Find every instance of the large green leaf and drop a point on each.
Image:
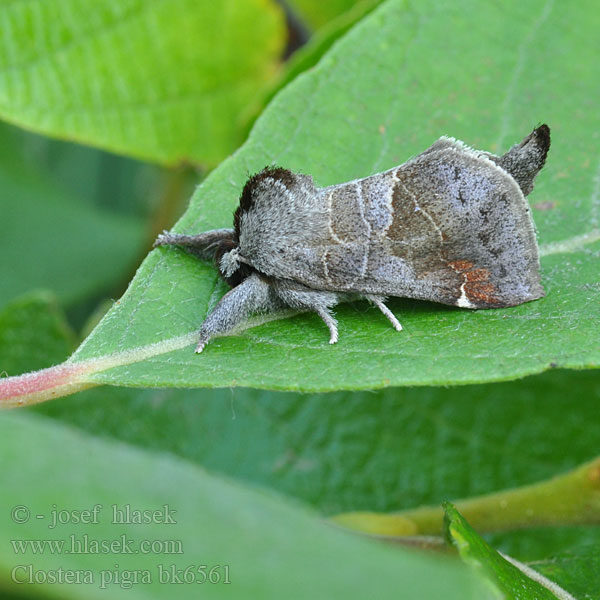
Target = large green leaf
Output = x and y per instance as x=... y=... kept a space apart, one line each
x=271 y=548
x=410 y=446
x=164 y=81
x=384 y=451
x=402 y=77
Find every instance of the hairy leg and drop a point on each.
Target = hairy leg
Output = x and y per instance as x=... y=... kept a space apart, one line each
x=378 y=301
x=301 y=297
x=251 y=296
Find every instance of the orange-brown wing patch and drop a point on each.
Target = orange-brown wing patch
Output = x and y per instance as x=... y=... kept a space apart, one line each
x=477 y=287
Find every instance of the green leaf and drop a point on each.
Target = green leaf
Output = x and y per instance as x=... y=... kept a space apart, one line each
x=576 y=570
x=51 y=240
x=385 y=91
x=412 y=446
x=512 y=581
x=33 y=334
x=271 y=547
x=537 y=544
x=385 y=451
x=163 y=81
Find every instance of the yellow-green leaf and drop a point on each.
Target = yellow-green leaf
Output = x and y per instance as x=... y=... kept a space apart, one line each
x=164 y=81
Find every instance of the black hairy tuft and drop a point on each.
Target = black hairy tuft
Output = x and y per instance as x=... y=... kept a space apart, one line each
x=247 y=198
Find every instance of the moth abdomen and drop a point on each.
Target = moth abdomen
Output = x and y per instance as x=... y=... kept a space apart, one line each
x=525 y=160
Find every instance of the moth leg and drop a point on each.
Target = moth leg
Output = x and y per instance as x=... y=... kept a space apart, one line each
x=203 y=244
x=330 y=322
x=297 y=296
x=251 y=296
x=378 y=301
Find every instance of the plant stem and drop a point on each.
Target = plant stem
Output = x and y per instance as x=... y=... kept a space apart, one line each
x=572 y=498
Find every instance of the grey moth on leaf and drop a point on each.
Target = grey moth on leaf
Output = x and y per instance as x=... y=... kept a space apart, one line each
x=451 y=225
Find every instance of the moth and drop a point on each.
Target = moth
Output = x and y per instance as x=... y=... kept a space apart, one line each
x=451 y=225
